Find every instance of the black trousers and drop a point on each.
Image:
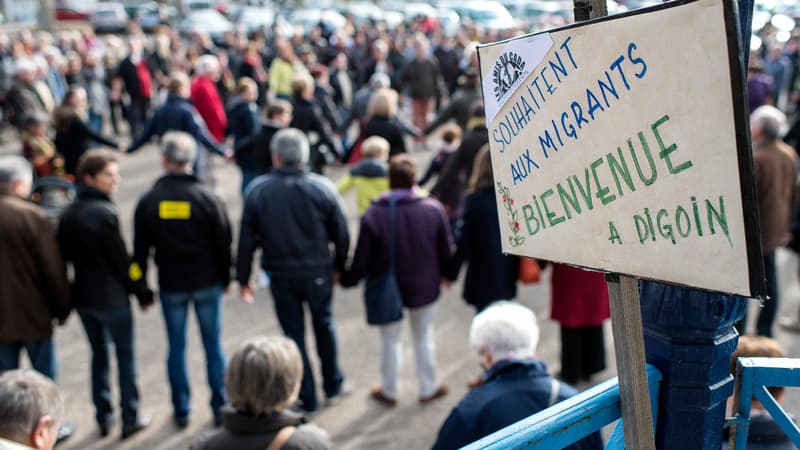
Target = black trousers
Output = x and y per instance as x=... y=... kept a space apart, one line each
x=583 y=353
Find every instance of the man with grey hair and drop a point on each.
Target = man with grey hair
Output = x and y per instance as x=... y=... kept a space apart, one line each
x=775 y=165
x=30 y=411
x=188 y=228
x=515 y=383
x=294 y=216
x=33 y=283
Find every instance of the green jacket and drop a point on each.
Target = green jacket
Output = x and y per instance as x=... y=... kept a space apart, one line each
x=370 y=178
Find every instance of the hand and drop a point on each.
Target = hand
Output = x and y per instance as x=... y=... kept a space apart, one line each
x=145 y=306
x=246 y=294
x=446 y=283
x=228 y=154
x=336 y=277
x=122 y=148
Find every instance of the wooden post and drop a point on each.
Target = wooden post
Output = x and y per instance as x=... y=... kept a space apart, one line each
x=626 y=323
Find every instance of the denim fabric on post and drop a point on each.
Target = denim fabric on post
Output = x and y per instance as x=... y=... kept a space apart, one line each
x=102 y=328
x=207 y=307
x=41 y=352
x=289 y=296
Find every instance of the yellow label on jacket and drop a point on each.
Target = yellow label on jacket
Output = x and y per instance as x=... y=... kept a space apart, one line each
x=135 y=272
x=169 y=210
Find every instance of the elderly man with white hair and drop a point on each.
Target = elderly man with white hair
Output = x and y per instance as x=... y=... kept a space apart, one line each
x=775 y=165
x=23 y=99
x=205 y=96
x=515 y=383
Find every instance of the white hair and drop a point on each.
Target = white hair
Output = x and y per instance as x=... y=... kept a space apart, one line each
x=206 y=64
x=506 y=330
x=770 y=120
x=14 y=168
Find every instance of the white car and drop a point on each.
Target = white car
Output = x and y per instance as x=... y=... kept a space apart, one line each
x=109 y=17
x=485 y=14
x=207 y=21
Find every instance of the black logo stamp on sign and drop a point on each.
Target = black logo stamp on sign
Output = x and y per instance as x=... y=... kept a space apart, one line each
x=507 y=70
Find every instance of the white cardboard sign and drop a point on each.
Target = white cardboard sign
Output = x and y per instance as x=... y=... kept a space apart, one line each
x=621 y=145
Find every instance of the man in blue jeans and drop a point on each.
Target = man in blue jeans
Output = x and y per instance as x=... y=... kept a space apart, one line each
x=189 y=229
x=294 y=216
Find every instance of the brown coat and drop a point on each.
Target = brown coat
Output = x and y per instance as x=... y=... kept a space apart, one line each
x=33 y=283
x=775 y=166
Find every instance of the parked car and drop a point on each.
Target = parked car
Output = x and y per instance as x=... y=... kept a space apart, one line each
x=151 y=15
x=208 y=21
x=109 y=17
x=252 y=18
x=309 y=18
x=485 y=14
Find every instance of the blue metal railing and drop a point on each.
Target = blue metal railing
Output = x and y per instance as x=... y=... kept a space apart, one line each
x=753 y=376
x=571 y=420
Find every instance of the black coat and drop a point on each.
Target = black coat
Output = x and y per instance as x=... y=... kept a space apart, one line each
x=253 y=152
x=189 y=229
x=89 y=238
x=74 y=138
x=307 y=117
x=459 y=166
x=294 y=217
x=491 y=275
x=130 y=77
x=389 y=129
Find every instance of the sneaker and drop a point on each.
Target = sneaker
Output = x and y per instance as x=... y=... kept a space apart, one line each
x=344 y=390
x=377 y=394
x=141 y=423
x=440 y=392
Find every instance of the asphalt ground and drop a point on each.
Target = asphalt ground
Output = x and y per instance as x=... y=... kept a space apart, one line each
x=356 y=422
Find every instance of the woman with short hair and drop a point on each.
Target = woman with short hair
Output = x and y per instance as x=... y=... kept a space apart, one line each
x=422 y=250
x=263 y=381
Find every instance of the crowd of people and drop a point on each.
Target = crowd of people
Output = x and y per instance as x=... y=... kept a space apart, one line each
x=282 y=108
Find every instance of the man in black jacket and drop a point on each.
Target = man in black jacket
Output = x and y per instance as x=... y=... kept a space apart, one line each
x=294 y=216
x=189 y=229
x=89 y=238
x=308 y=118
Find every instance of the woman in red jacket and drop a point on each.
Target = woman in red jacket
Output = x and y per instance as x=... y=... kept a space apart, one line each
x=206 y=98
x=580 y=305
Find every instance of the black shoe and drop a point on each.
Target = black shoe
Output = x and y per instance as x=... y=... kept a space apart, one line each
x=105 y=427
x=181 y=421
x=141 y=423
x=218 y=421
x=66 y=430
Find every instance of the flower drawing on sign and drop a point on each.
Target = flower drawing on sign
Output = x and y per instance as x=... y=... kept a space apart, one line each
x=515 y=238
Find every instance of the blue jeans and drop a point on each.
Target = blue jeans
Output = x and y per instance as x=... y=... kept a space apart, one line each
x=102 y=328
x=248 y=175
x=289 y=296
x=208 y=309
x=41 y=352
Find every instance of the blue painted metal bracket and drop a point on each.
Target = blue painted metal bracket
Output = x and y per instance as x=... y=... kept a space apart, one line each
x=753 y=376
x=569 y=421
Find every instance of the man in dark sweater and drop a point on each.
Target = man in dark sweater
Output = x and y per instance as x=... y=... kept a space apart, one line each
x=515 y=384
x=189 y=229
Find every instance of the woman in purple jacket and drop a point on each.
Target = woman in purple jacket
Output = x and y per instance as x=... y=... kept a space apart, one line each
x=423 y=250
